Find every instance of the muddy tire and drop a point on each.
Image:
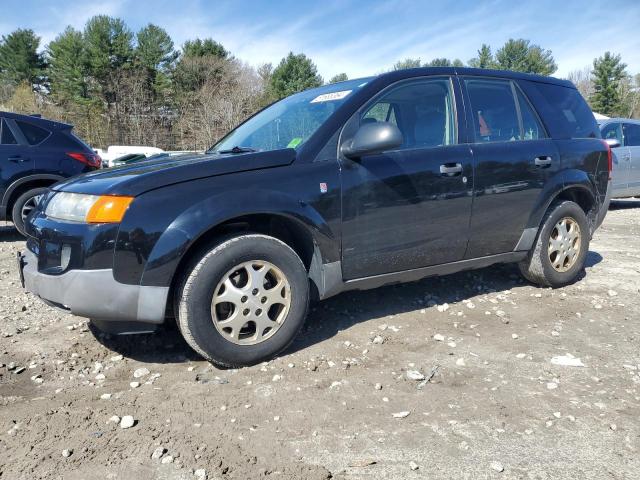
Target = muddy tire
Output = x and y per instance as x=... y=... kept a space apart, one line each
x=243 y=301
x=24 y=205
x=561 y=247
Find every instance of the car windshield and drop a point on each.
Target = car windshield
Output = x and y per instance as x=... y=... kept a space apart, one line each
x=290 y=122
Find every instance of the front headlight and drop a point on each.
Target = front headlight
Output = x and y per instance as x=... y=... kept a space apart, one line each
x=79 y=207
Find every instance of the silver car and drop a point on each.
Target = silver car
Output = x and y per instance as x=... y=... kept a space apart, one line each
x=623 y=135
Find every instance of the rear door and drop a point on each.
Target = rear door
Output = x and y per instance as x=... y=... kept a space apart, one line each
x=15 y=160
x=631 y=133
x=621 y=164
x=44 y=157
x=410 y=207
x=513 y=157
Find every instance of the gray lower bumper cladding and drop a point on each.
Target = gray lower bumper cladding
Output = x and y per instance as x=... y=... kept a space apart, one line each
x=96 y=294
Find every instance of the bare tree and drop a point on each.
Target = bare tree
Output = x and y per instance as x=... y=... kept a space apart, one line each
x=582 y=80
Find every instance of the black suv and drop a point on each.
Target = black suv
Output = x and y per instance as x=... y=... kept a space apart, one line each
x=348 y=186
x=34 y=154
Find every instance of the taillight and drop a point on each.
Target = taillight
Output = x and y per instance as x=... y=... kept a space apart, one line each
x=90 y=159
x=609 y=158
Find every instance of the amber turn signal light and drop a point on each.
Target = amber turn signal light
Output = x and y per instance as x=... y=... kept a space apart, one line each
x=108 y=209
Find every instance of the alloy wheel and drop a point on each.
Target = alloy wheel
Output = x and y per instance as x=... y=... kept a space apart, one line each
x=564 y=244
x=28 y=206
x=251 y=302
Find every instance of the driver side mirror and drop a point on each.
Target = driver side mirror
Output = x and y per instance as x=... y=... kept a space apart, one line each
x=372 y=138
x=612 y=142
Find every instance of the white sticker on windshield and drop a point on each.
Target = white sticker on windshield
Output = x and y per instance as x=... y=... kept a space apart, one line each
x=327 y=97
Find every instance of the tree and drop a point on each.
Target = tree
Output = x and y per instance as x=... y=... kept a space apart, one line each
x=67 y=67
x=155 y=48
x=582 y=80
x=484 y=59
x=109 y=44
x=520 y=56
x=203 y=48
x=340 y=77
x=607 y=74
x=294 y=74
x=200 y=62
x=19 y=57
x=407 y=63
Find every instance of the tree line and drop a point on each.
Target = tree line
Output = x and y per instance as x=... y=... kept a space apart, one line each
x=123 y=87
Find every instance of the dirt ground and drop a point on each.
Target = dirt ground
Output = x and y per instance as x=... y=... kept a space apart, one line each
x=347 y=401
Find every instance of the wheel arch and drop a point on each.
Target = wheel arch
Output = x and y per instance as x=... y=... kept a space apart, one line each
x=24 y=184
x=573 y=185
x=287 y=229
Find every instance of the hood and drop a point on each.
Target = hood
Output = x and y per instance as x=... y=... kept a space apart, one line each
x=145 y=175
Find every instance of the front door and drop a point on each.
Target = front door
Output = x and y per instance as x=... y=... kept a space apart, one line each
x=620 y=172
x=410 y=207
x=513 y=158
x=15 y=161
x=631 y=133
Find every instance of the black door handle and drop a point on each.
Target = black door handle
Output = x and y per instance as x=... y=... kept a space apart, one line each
x=451 y=169
x=17 y=159
x=543 y=161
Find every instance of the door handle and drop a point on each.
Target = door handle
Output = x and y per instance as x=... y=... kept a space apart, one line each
x=543 y=161
x=451 y=169
x=17 y=159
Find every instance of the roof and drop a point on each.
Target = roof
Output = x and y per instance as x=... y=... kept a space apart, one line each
x=412 y=72
x=34 y=119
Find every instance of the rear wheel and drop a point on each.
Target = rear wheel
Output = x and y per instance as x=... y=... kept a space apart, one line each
x=561 y=247
x=24 y=205
x=243 y=301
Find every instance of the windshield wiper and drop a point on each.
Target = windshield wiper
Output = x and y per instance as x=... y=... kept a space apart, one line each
x=238 y=149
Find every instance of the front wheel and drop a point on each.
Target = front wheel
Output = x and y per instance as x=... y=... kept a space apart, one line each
x=24 y=205
x=561 y=247
x=243 y=301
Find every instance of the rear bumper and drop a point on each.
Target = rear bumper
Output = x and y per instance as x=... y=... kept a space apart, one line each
x=95 y=294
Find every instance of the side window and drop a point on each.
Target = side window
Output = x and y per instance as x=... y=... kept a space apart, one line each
x=33 y=134
x=613 y=130
x=570 y=110
x=531 y=126
x=6 y=136
x=423 y=110
x=495 y=115
x=631 y=134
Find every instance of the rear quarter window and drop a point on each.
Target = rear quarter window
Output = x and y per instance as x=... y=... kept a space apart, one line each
x=34 y=134
x=570 y=111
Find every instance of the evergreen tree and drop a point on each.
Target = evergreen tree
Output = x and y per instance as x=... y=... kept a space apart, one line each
x=109 y=46
x=294 y=74
x=484 y=59
x=203 y=48
x=67 y=67
x=19 y=58
x=607 y=74
x=341 y=77
x=520 y=56
x=155 y=48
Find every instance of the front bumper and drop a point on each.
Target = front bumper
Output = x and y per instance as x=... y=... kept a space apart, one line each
x=95 y=294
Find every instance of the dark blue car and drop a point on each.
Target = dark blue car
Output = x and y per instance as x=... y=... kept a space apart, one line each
x=35 y=153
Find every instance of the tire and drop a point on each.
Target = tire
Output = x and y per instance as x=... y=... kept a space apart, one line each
x=538 y=267
x=202 y=323
x=22 y=204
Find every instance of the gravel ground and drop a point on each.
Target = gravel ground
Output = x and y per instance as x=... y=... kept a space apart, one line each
x=456 y=377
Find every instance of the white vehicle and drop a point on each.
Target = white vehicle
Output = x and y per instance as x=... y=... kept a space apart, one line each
x=116 y=151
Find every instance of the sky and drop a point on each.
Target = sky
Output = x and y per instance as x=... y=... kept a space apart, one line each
x=363 y=37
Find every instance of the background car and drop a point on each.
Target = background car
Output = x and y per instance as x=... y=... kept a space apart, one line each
x=35 y=153
x=626 y=155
